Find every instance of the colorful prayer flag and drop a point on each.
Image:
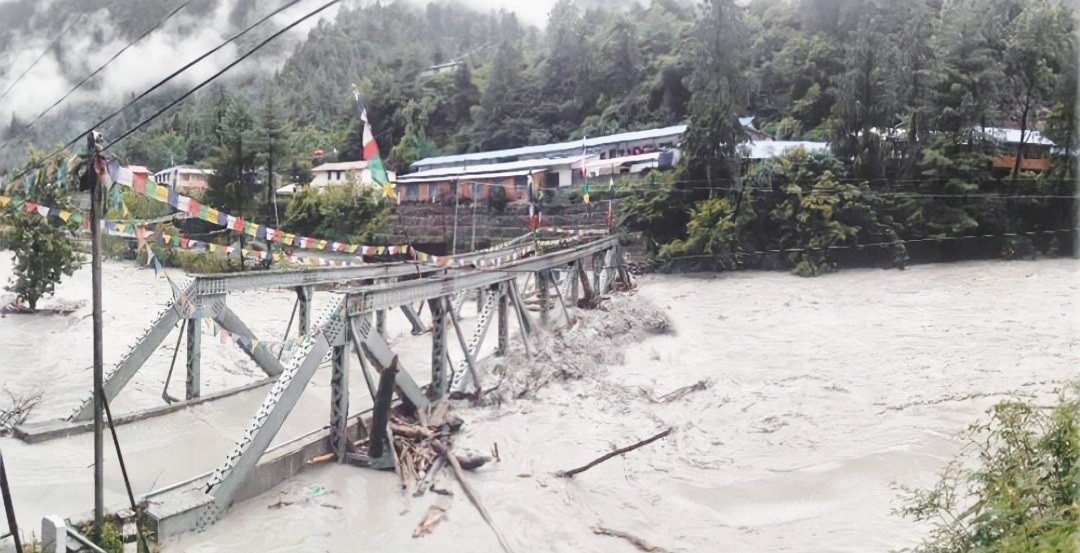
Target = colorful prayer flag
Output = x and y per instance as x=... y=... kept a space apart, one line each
x=371 y=150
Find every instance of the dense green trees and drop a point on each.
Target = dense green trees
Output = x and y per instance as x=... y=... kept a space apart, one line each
x=900 y=90
x=808 y=69
x=44 y=246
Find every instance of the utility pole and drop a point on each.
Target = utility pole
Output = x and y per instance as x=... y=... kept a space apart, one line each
x=93 y=143
x=9 y=507
x=475 y=190
x=457 y=197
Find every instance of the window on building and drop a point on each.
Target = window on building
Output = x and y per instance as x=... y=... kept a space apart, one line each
x=412 y=193
x=433 y=192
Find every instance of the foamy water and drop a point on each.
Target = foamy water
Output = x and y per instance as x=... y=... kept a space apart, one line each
x=822 y=394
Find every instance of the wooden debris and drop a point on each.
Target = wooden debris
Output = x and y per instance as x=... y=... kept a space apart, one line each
x=634 y=540
x=682 y=392
x=460 y=475
x=429 y=476
x=431 y=519
x=411 y=431
x=570 y=473
x=280 y=504
x=381 y=411
x=320 y=459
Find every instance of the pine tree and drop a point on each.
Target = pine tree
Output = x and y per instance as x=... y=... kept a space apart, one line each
x=720 y=92
x=271 y=138
x=502 y=106
x=567 y=89
x=232 y=160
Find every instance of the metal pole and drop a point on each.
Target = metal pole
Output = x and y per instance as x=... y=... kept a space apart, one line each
x=9 y=508
x=288 y=328
x=127 y=481
x=457 y=197
x=472 y=247
x=99 y=363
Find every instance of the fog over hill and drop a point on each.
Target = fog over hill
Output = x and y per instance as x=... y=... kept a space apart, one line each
x=77 y=37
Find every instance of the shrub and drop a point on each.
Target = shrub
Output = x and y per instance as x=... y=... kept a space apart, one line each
x=712 y=240
x=830 y=215
x=1022 y=494
x=656 y=209
x=337 y=213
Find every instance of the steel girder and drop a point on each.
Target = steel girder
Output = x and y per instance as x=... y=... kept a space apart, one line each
x=184 y=307
x=328 y=332
x=367 y=299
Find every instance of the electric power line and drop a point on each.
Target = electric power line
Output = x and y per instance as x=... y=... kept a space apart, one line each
x=55 y=41
x=184 y=96
x=902 y=194
x=75 y=140
x=95 y=72
x=173 y=75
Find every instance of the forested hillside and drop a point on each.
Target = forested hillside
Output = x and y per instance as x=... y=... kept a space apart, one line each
x=815 y=69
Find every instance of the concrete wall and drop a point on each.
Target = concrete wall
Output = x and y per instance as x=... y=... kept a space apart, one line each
x=434 y=223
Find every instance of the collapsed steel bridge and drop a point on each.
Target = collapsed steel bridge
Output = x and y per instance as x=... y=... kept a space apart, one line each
x=351 y=326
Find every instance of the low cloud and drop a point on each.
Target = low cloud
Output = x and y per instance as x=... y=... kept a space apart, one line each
x=194 y=30
x=96 y=39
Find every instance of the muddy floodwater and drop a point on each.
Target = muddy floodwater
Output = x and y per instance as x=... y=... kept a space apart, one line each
x=820 y=396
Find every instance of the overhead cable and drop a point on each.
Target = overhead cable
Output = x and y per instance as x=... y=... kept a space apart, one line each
x=97 y=71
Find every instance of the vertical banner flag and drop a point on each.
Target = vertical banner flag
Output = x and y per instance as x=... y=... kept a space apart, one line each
x=534 y=196
x=371 y=151
x=534 y=218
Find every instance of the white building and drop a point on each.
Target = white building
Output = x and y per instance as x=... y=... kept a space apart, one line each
x=337 y=174
x=559 y=171
x=184 y=178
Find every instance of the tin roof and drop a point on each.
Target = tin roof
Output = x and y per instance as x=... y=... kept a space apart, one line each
x=666 y=132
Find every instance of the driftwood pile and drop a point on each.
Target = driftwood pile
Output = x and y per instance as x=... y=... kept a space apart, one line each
x=416 y=446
